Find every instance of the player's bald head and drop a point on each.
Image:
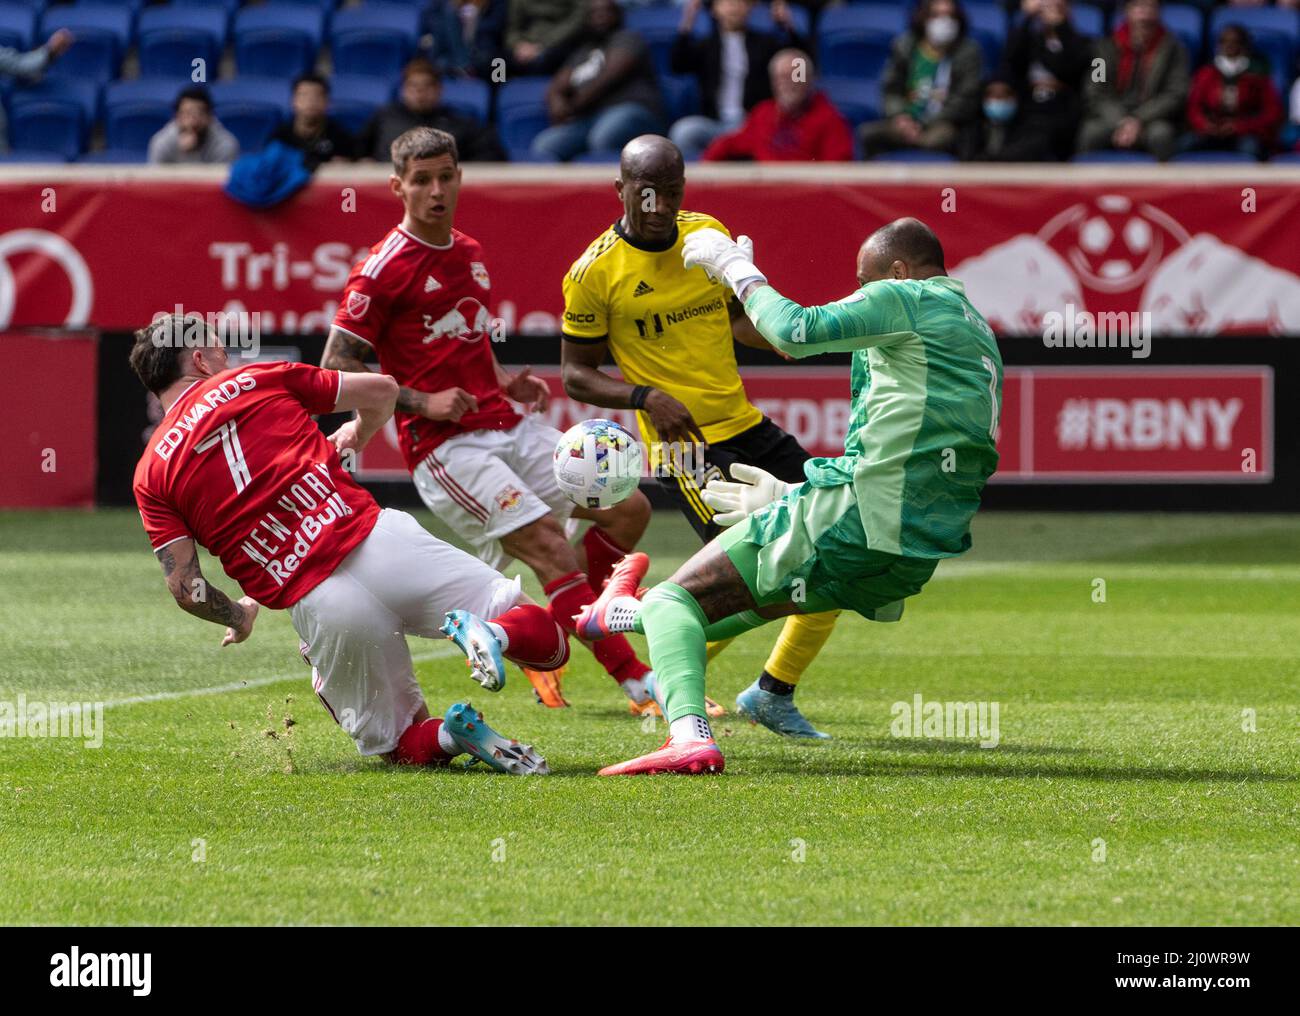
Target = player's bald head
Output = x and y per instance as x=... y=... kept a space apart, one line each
x=903 y=249
x=651 y=157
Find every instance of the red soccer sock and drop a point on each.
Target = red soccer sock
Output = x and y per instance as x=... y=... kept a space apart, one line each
x=568 y=595
x=533 y=637
x=602 y=554
x=418 y=746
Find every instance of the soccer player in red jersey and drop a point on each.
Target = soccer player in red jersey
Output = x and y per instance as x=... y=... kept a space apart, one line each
x=420 y=302
x=238 y=466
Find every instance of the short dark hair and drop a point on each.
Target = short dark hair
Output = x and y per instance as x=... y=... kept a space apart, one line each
x=422 y=143
x=158 y=348
x=921 y=14
x=310 y=79
x=419 y=65
x=198 y=93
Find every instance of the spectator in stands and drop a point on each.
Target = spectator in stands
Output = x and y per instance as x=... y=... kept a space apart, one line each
x=931 y=84
x=606 y=92
x=1291 y=137
x=465 y=35
x=420 y=106
x=1045 y=61
x=30 y=65
x=1005 y=134
x=1136 y=104
x=730 y=65
x=1234 y=105
x=193 y=135
x=540 y=33
x=798 y=124
x=319 y=137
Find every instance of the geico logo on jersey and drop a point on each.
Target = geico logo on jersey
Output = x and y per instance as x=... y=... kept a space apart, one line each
x=579 y=319
x=467 y=321
x=75 y=969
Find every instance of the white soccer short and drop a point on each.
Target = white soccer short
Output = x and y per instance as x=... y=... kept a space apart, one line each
x=487 y=483
x=401 y=580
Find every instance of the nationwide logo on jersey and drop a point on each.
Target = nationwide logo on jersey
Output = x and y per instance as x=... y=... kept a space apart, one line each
x=467 y=321
x=479 y=273
x=358 y=304
x=509 y=499
x=642 y=288
x=430 y=284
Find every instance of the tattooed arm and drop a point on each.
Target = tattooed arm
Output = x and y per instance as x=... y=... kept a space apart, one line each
x=194 y=595
x=347 y=352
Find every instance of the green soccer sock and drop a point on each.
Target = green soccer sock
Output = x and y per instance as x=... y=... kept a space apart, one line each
x=736 y=624
x=674 y=625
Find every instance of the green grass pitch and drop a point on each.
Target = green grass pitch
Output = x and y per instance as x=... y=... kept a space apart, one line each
x=1147 y=771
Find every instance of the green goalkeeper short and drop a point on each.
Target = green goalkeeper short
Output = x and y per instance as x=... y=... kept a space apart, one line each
x=809 y=547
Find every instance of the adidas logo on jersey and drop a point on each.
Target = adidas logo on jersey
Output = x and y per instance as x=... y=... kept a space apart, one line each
x=642 y=289
x=430 y=284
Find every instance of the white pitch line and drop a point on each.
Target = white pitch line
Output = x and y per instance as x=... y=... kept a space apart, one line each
x=257 y=682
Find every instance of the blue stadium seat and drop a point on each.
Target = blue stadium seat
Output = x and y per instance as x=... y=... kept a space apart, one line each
x=914 y=155
x=31 y=156
x=987 y=24
x=467 y=96
x=102 y=33
x=48 y=125
x=375 y=38
x=606 y=158
x=35 y=5
x=857 y=98
x=761 y=20
x=131 y=119
x=83 y=93
x=1275 y=30
x=247 y=88
x=854 y=41
x=278 y=40
x=521 y=114
x=1213 y=157
x=658 y=26
x=169 y=39
x=1107 y=156
x=1088 y=20
x=353 y=99
x=1188 y=23
x=251 y=122
x=681 y=94
x=116 y=156
x=17 y=26
x=1287 y=158
x=229 y=6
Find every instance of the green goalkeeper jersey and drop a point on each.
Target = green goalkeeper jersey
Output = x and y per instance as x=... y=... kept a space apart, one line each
x=926 y=387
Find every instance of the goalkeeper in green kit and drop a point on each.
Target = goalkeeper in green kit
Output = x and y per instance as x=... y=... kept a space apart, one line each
x=867 y=529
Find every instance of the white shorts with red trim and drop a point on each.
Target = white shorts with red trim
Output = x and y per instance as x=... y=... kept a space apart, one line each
x=401 y=580
x=488 y=483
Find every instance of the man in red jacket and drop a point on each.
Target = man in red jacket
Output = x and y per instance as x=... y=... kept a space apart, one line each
x=1234 y=105
x=798 y=124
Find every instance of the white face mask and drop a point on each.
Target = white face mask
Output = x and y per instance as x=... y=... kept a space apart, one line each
x=942 y=30
x=1231 y=66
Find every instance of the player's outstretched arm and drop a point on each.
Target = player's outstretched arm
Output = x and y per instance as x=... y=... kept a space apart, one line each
x=874 y=315
x=347 y=352
x=373 y=396
x=194 y=595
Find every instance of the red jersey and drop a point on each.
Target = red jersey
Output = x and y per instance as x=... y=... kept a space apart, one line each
x=424 y=311
x=238 y=465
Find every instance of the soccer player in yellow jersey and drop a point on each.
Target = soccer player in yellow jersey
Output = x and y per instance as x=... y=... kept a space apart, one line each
x=670 y=331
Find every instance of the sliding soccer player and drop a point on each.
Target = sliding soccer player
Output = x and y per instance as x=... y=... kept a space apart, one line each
x=238 y=466
x=864 y=531
x=670 y=332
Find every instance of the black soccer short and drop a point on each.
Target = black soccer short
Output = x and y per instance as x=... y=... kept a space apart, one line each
x=764 y=445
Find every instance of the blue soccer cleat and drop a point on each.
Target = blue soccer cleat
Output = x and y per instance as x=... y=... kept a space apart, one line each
x=504 y=754
x=777 y=713
x=482 y=650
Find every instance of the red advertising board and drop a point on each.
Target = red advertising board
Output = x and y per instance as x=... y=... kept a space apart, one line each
x=49 y=395
x=1057 y=425
x=1196 y=254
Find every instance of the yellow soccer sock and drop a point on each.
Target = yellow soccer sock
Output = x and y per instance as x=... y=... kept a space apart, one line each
x=714 y=648
x=802 y=638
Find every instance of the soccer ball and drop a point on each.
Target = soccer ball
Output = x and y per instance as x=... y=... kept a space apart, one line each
x=597 y=464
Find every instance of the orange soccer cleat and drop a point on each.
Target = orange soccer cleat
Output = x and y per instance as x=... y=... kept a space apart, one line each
x=688 y=757
x=546 y=686
x=651 y=707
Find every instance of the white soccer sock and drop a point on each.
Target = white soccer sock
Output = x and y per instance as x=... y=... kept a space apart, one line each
x=638 y=688
x=499 y=633
x=446 y=742
x=621 y=613
x=691 y=728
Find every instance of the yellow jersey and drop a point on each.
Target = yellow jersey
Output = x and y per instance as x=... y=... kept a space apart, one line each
x=667 y=326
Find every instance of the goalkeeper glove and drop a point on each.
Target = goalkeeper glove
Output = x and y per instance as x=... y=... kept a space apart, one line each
x=731 y=502
x=732 y=261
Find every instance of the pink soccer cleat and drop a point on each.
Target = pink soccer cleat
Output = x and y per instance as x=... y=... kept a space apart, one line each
x=688 y=757
x=617 y=602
